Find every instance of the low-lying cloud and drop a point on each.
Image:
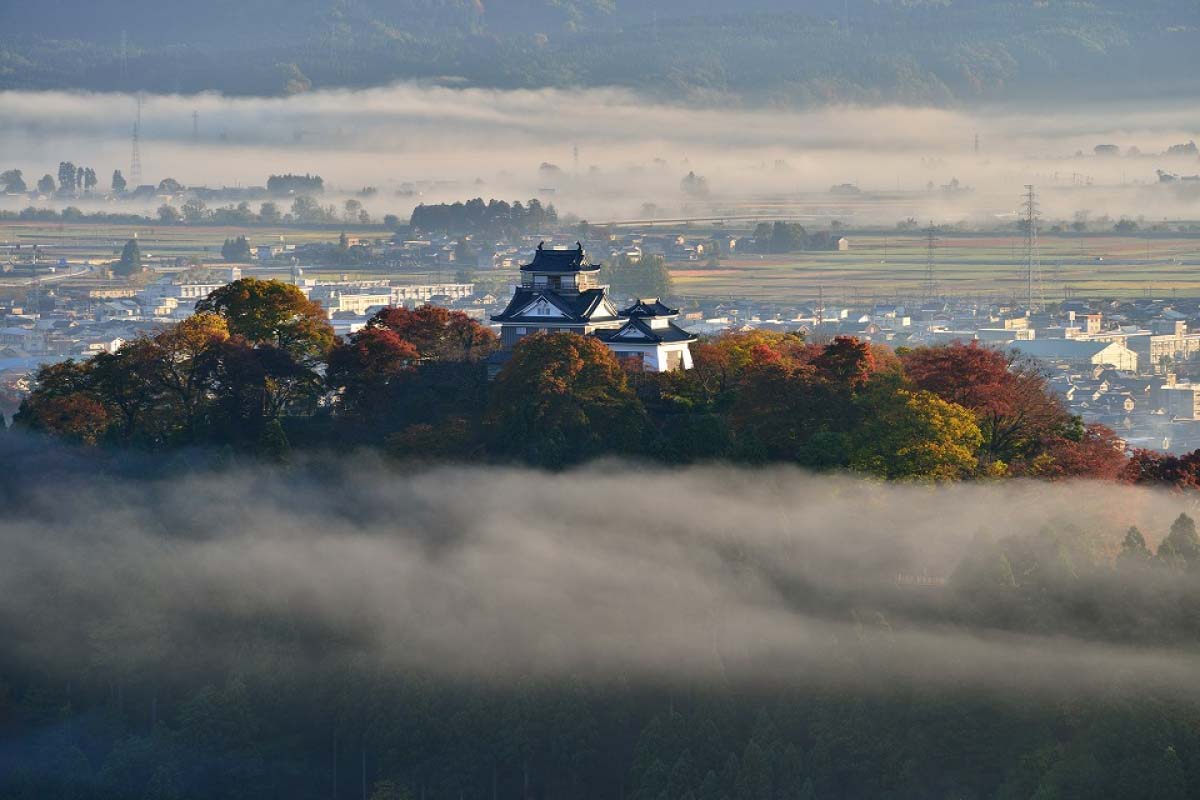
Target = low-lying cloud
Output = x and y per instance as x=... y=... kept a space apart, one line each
x=631 y=150
x=766 y=576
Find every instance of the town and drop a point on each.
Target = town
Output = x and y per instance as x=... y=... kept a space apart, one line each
x=1125 y=362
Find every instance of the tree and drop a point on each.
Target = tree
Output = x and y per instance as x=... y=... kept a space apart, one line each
x=915 y=436
x=236 y=250
x=365 y=366
x=194 y=210
x=169 y=186
x=67 y=177
x=11 y=182
x=647 y=277
x=1016 y=413
x=275 y=313
x=45 y=184
x=1134 y=552
x=130 y=262
x=562 y=399
x=168 y=214
x=1181 y=547
x=437 y=334
x=352 y=209
x=118 y=182
x=64 y=404
x=268 y=213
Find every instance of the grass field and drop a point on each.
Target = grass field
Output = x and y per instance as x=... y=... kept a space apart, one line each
x=896 y=266
x=875 y=266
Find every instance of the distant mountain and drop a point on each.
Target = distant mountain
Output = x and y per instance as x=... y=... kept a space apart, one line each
x=928 y=51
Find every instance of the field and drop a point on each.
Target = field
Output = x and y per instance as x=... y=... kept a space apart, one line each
x=878 y=266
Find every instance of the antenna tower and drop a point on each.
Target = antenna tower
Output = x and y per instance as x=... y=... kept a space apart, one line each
x=135 y=151
x=1033 y=272
x=930 y=261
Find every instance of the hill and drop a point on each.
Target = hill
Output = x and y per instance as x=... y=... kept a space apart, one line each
x=947 y=52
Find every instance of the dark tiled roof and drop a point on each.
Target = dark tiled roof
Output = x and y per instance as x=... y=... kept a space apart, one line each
x=637 y=332
x=546 y=260
x=587 y=306
x=649 y=308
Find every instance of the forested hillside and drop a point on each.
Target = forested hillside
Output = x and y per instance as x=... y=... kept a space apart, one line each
x=812 y=52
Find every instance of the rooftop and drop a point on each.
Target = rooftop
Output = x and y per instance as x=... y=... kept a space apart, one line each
x=559 y=260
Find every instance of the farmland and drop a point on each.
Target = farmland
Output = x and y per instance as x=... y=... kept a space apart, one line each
x=877 y=265
x=964 y=266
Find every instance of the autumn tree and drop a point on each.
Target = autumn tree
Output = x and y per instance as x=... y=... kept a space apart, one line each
x=915 y=436
x=63 y=404
x=562 y=399
x=366 y=366
x=272 y=313
x=438 y=334
x=1009 y=398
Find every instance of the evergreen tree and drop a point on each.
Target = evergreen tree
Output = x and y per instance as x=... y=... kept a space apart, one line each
x=130 y=262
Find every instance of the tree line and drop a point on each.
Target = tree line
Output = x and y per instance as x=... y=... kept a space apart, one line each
x=475 y=216
x=257 y=367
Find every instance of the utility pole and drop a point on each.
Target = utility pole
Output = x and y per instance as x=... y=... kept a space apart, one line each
x=195 y=126
x=930 y=262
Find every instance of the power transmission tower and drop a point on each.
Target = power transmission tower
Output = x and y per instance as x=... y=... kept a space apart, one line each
x=135 y=152
x=930 y=262
x=1032 y=258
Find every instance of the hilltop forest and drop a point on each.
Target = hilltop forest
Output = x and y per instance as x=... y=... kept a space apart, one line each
x=916 y=51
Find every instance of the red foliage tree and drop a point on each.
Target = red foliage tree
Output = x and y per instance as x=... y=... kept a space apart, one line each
x=1017 y=414
x=1098 y=454
x=365 y=365
x=438 y=334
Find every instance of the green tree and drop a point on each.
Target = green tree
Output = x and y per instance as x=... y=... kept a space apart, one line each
x=1134 y=552
x=1181 y=547
x=130 y=262
x=169 y=214
x=236 y=250
x=68 y=180
x=169 y=186
x=118 y=182
x=269 y=214
x=45 y=184
x=12 y=182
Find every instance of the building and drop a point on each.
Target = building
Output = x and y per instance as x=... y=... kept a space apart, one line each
x=559 y=292
x=1081 y=354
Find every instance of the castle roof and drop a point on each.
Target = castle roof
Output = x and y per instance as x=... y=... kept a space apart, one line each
x=649 y=308
x=637 y=332
x=559 y=261
x=539 y=306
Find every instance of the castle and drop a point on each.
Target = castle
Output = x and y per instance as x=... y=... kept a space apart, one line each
x=559 y=292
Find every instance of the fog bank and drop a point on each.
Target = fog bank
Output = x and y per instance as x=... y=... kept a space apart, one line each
x=712 y=574
x=444 y=143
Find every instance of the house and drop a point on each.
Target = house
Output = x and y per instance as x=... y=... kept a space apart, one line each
x=559 y=292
